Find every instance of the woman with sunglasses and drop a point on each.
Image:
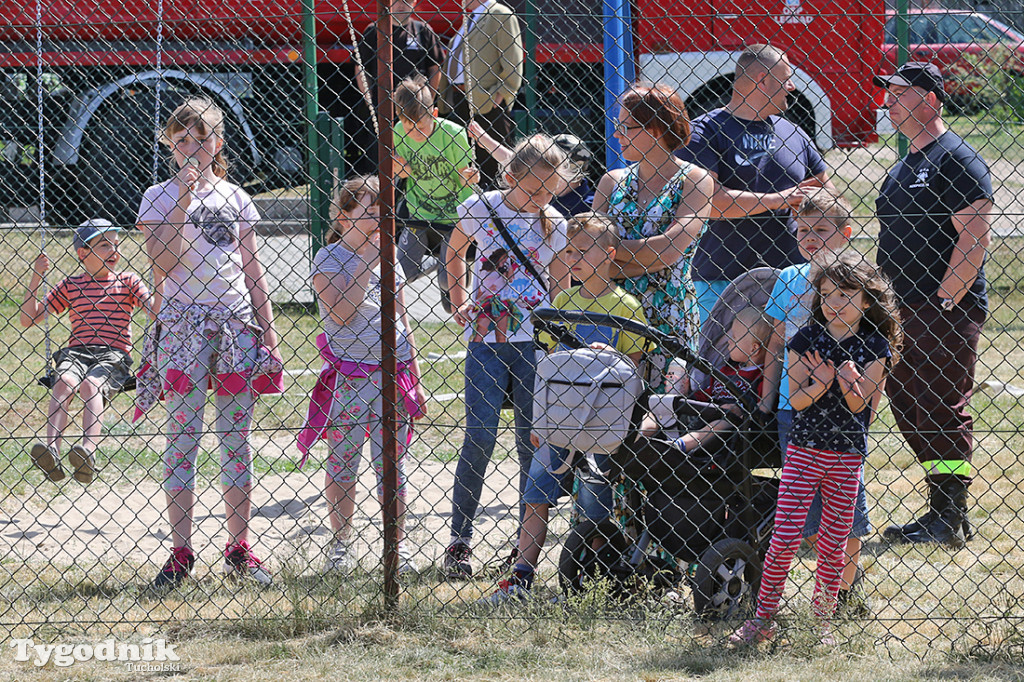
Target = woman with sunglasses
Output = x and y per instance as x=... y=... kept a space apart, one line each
x=661 y=204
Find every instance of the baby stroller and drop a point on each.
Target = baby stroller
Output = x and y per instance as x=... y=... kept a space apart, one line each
x=699 y=521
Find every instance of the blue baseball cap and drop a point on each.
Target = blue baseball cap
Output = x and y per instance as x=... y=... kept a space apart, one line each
x=91 y=229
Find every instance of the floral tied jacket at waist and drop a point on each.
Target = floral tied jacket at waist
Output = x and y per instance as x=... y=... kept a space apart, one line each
x=318 y=417
x=179 y=334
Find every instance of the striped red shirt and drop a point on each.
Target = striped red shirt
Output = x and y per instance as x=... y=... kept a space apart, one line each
x=101 y=310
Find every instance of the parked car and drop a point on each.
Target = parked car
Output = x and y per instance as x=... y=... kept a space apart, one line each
x=970 y=48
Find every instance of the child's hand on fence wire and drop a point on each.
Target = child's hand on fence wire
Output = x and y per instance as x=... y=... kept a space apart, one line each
x=41 y=265
x=401 y=167
x=822 y=370
x=850 y=378
x=475 y=131
x=534 y=439
x=470 y=175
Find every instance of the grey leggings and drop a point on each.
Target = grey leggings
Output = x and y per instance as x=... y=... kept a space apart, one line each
x=185 y=430
x=356 y=413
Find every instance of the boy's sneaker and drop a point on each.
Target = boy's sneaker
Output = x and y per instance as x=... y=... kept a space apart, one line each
x=456 y=560
x=44 y=458
x=83 y=462
x=754 y=631
x=340 y=558
x=511 y=590
x=177 y=568
x=242 y=564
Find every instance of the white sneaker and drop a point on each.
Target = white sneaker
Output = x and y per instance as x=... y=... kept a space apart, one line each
x=407 y=566
x=340 y=558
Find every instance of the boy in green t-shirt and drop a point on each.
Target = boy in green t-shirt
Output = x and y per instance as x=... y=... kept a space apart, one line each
x=593 y=240
x=435 y=157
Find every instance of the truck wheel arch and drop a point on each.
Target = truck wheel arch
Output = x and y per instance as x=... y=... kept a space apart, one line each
x=69 y=143
x=694 y=74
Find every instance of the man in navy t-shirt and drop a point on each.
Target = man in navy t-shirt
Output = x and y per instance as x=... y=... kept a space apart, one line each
x=934 y=209
x=759 y=160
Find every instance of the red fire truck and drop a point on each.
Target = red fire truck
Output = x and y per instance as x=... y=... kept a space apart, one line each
x=112 y=69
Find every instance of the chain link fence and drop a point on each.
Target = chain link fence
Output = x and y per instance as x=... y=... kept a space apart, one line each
x=259 y=279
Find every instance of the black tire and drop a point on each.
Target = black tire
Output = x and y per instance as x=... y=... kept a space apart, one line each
x=580 y=563
x=726 y=581
x=116 y=162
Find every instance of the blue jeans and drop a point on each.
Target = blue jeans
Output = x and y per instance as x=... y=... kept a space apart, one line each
x=708 y=294
x=861 y=523
x=488 y=368
x=594 y=497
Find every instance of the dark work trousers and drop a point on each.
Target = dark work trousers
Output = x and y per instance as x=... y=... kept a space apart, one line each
x=497 y=123
x=930 y=387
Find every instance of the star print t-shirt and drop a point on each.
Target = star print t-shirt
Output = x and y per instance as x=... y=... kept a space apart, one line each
x=210 y=268
x=520 y=289
x=753 y=156
x=828 y=423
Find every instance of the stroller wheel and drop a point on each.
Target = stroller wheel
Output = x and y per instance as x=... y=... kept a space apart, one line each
x=580 y=563
x=726 y=581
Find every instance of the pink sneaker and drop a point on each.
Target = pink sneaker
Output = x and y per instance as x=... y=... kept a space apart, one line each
x=240 y=562
x=754 y=631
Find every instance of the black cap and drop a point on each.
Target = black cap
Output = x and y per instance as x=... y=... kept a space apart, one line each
x=915 y=74
x=574 y=148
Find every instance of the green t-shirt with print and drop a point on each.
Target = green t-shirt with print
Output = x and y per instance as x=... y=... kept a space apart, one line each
x=434 y=187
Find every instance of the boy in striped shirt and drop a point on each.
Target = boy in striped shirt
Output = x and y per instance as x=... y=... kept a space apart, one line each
x=97 y=360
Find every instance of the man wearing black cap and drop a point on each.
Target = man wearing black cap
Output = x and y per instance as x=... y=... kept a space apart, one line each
x=934 y=209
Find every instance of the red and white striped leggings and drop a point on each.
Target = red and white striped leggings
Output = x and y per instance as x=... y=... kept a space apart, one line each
x=837 y=475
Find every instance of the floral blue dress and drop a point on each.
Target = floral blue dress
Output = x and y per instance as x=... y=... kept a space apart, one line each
x=668 y=296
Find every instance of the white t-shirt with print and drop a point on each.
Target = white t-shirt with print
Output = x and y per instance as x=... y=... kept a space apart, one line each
x=210 y=268
x=526 y=230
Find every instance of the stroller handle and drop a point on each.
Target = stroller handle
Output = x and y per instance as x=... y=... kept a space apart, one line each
x=552 y=321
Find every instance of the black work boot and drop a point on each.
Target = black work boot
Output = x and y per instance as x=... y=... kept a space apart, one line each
x=901 y=534
x=950 y=503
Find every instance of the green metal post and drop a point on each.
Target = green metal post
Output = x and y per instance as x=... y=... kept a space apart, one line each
x=902 y=55
x=322 y=186
x=337 y=151
x=526 y=120
x=318 y=225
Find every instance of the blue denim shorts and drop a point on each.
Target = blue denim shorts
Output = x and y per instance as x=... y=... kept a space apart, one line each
x=861 y=523
x=593 y=499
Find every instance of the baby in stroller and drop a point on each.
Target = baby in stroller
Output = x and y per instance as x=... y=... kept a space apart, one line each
x=746 y=344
